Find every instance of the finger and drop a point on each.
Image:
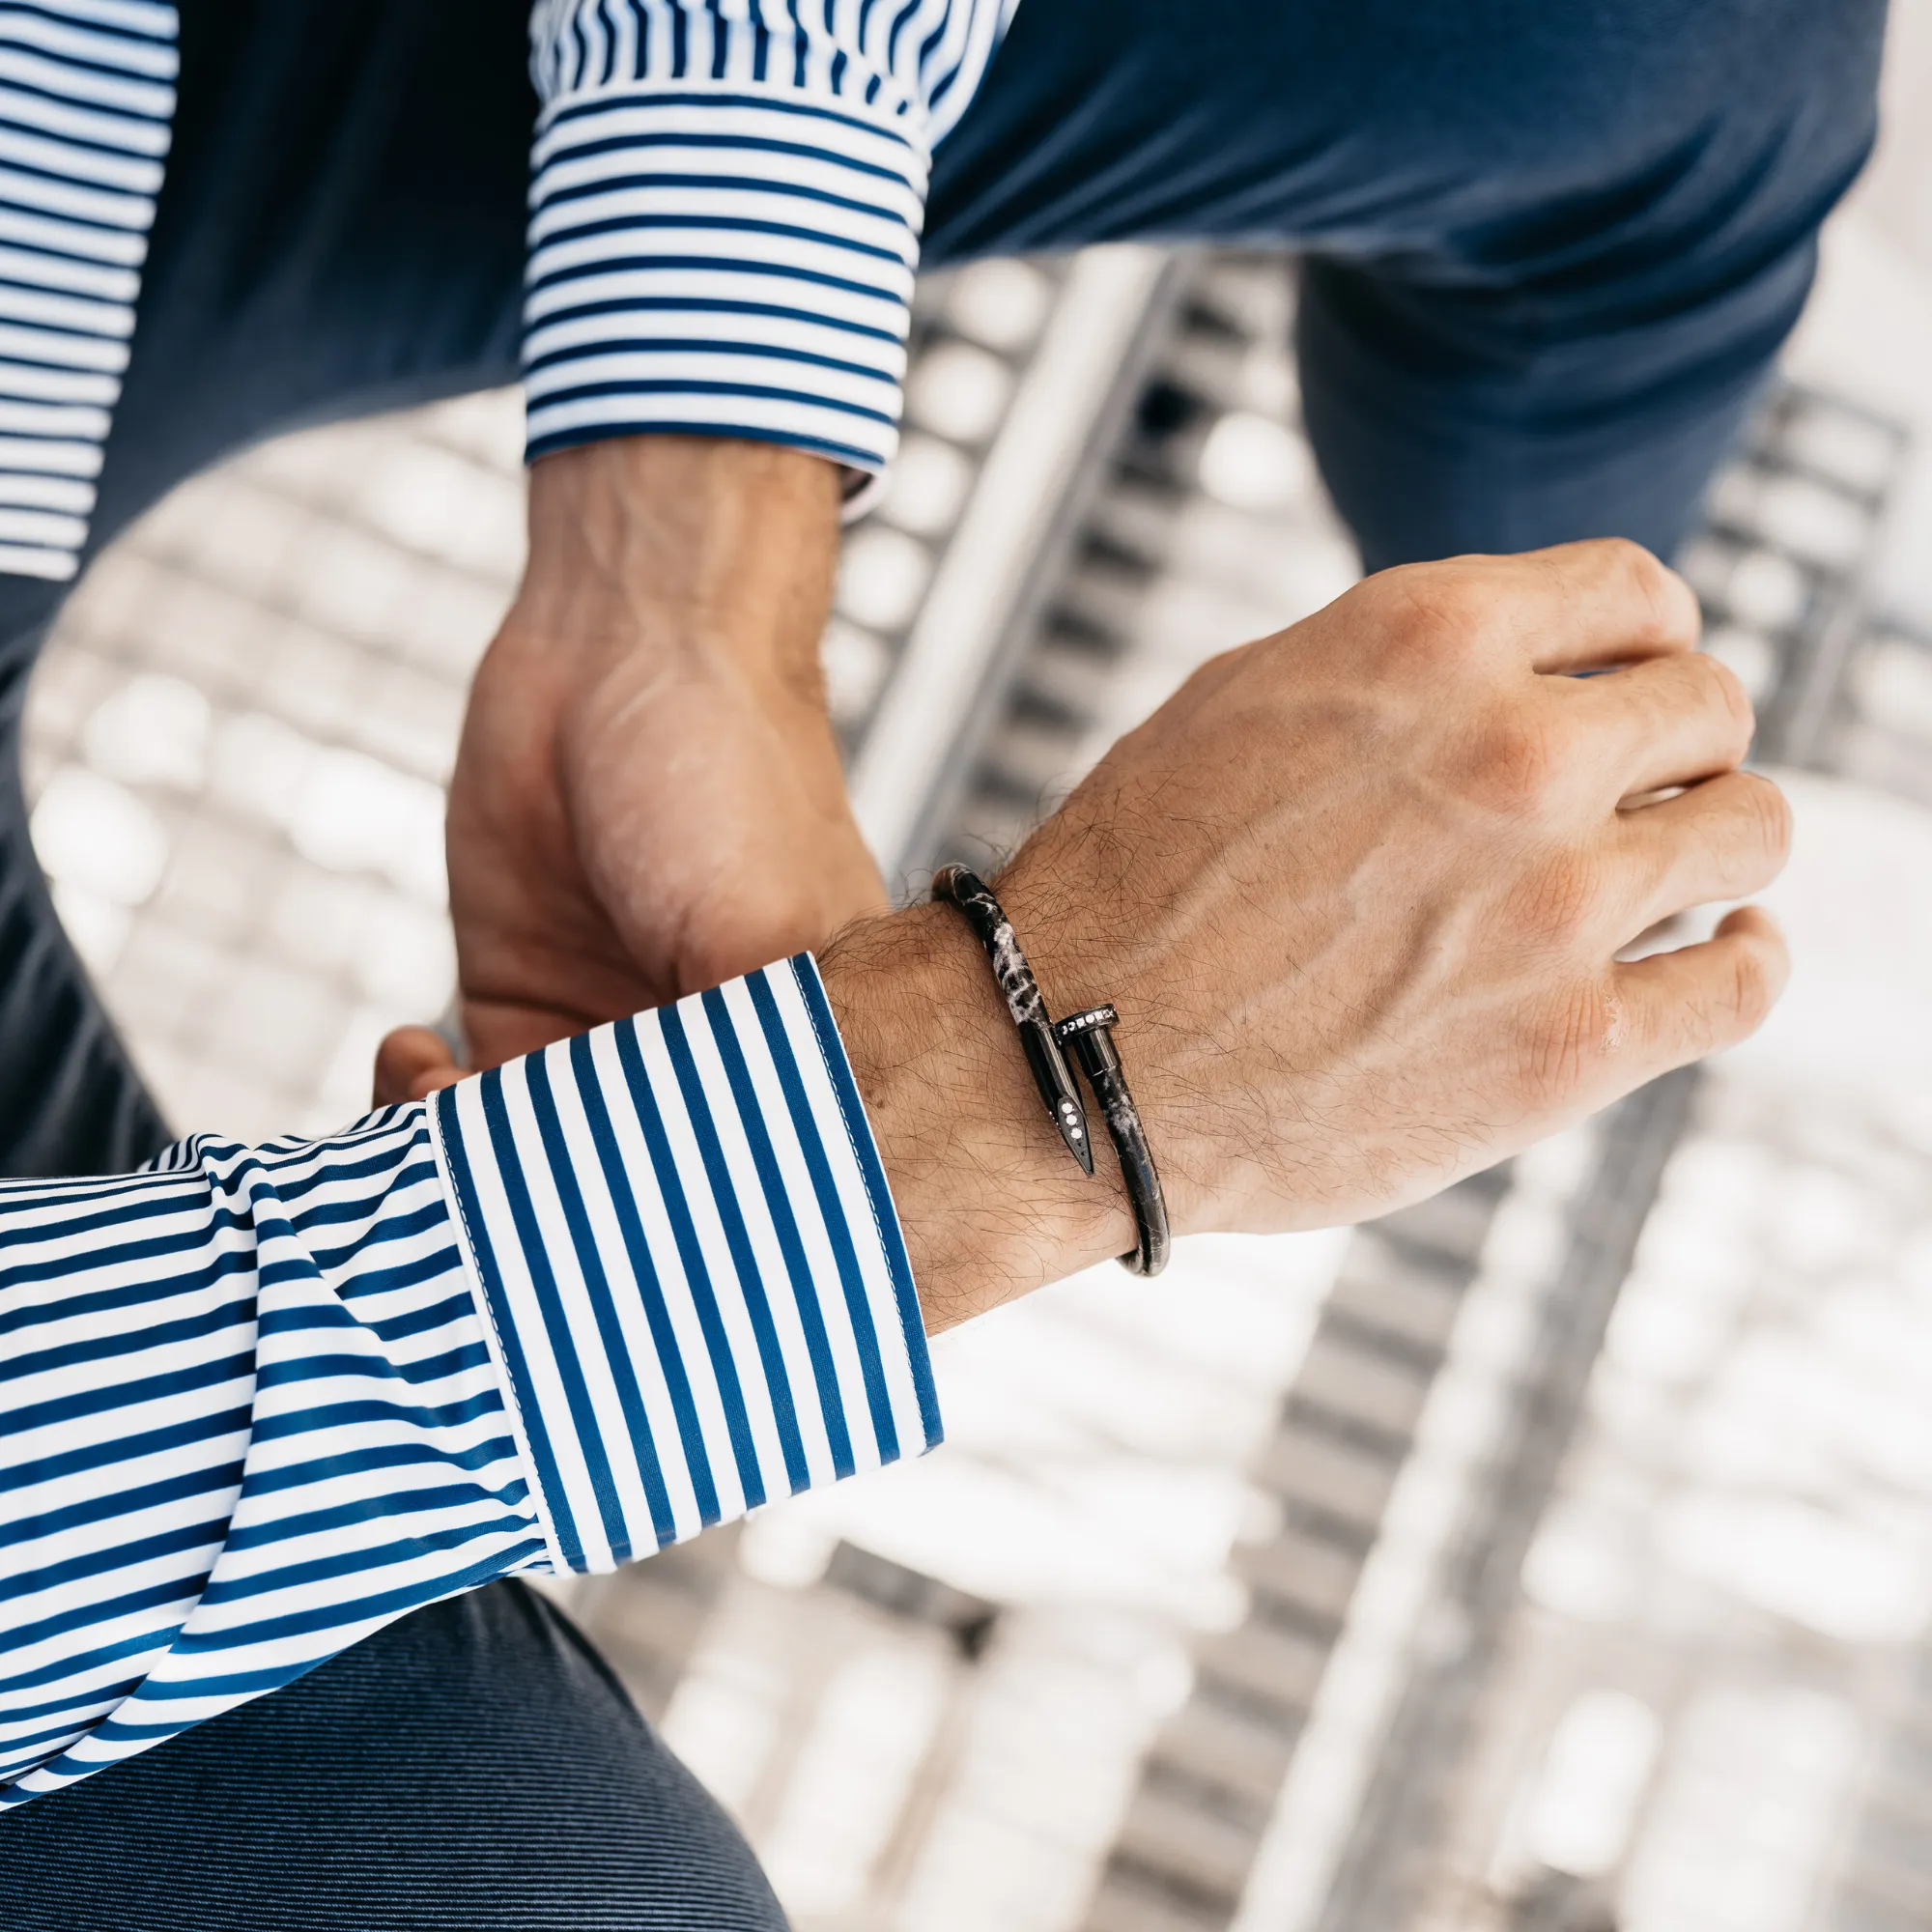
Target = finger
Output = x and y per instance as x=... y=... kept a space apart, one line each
x=1722 y=840
x=412 y=1064
x=1670 y=721
x=1586 y=606
x=1677 y=1007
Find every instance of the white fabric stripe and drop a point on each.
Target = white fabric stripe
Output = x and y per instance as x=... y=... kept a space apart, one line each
x=612 y=334
x=55 y=458
x=863 y=245
x=677 y=138
x=127 y=16
x=704 y=297
x=794 y=272
x=87 y=164
x=147 y=99
x=775 y=418
x=632 y=368
x=100 y=207
x=58 y=385
x=151 y=54
x=83 y=123
x=640 y=126
x=65 y=238
x=58 y=567
x=68 y=352
x=57 y=419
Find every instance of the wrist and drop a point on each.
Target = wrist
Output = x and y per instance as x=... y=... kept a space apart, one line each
x=991 y=1204
x=697 y=553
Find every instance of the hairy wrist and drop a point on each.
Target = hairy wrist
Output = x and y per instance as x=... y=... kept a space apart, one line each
x=990 y=1205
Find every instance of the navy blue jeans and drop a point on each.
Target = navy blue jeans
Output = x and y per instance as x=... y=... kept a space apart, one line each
x=1547 y=254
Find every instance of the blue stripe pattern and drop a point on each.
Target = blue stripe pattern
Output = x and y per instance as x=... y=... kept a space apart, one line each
x=726 y=210
x=259 y=1402
x=87 y=107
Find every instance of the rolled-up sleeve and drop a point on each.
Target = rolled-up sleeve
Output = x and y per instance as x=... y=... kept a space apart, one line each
x=726 y=211
x=259 y=1402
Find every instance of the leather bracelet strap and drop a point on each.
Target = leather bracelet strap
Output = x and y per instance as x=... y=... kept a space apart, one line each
x=1088 y=1039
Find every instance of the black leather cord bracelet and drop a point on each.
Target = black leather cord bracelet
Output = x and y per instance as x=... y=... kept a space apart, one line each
x=1088 y=1039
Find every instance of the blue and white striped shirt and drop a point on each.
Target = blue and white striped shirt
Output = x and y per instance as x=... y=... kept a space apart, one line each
x=256 y=1403
x=726 y=207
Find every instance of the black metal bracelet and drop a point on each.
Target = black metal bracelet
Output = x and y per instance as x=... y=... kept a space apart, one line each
x=1088 y=1037
x=970 y=893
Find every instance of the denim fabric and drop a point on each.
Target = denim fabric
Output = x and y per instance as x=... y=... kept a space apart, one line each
x=1550 y=249
x=474 y=1766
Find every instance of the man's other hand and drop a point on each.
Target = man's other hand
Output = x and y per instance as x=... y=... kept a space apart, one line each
x=1358 y=891
x=648 y=798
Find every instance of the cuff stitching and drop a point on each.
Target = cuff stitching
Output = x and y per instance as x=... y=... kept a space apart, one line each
x=493 y=1337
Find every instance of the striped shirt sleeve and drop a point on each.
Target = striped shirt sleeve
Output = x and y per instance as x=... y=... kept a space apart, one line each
x=87 y=104
x=726 y=207
x=257 y=1402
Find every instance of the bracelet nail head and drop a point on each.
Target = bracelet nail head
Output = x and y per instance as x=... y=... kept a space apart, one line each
x=1089 y=1041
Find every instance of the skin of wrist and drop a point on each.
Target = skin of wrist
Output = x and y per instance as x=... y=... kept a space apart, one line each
x=991 y=1204
x=696 y=549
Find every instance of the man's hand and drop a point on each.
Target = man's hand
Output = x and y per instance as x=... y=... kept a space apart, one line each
x=648 y=799
x=1357 y=891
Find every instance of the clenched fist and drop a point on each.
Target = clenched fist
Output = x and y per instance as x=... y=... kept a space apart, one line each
x=1358 y=891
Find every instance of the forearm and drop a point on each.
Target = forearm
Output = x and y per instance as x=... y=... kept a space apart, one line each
x=683 y=551
x=649 y=797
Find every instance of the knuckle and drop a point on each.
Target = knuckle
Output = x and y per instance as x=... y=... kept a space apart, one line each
x=1577 y=1037
x=1750 y=992
x=1771 y=814
x=1754 y=989
x=1436 y=614
x=1658 y=590
x=1515 y=760
x=1554 y=907
x=1726 y=694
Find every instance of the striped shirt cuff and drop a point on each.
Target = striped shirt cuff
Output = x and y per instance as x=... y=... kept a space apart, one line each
x=722 y=261
x=696 y=1289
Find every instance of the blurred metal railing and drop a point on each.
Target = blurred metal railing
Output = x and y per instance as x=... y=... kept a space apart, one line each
x=1103 y=482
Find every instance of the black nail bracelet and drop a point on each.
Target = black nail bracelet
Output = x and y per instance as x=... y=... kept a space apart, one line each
x=1088 y=1037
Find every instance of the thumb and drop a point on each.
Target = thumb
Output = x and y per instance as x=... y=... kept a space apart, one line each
x=412 y=1064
